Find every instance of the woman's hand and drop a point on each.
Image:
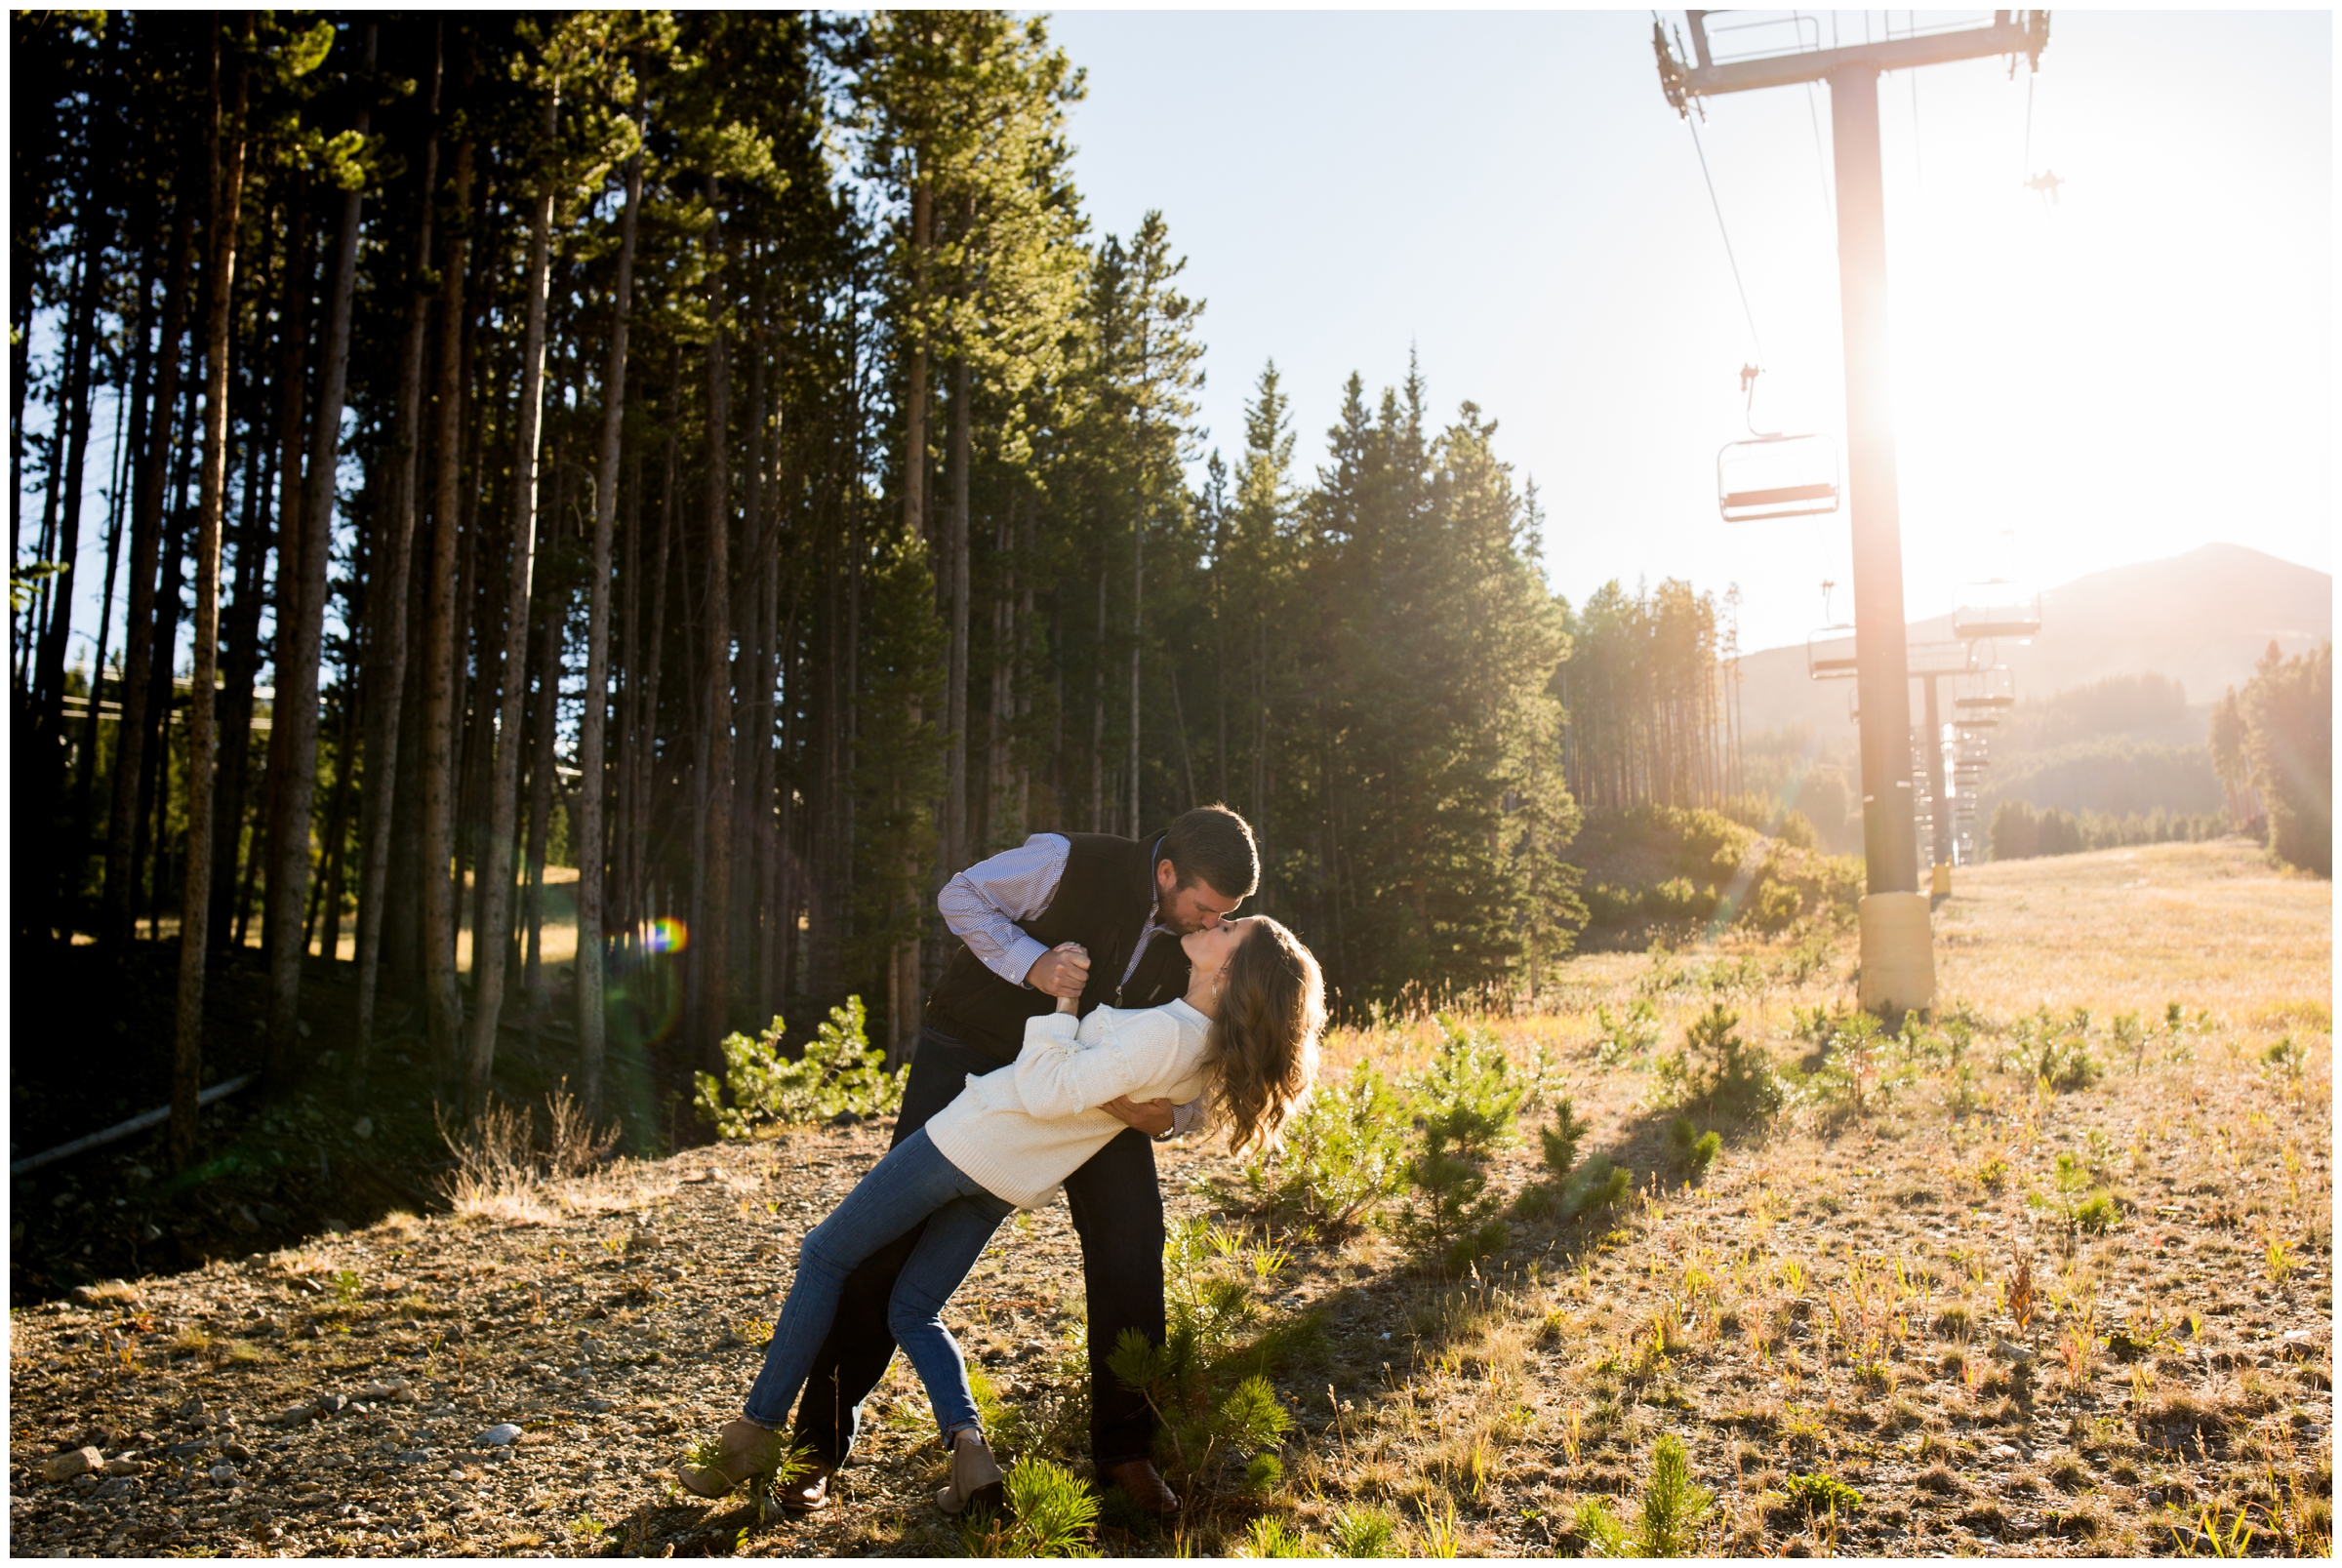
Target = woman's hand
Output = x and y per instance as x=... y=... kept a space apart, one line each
x=1062 y=972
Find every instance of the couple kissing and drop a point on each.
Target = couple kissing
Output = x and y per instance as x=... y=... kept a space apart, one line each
x=1106 y=995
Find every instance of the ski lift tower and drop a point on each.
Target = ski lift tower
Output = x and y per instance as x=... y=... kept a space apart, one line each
x=1898 y=959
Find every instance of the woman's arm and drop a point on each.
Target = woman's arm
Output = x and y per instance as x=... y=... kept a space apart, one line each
x=1123 y=1051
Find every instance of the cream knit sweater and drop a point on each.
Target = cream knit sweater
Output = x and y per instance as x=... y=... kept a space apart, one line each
x=1021 y=1130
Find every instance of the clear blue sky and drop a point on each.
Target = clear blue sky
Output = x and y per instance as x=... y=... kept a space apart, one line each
x=2145 y=367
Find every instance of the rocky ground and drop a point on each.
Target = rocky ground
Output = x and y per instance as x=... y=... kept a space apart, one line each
x=1884 y=1296
x=515 y=1380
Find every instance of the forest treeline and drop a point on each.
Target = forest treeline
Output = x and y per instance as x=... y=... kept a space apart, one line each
x=1650 y=690
x=720 y=443
x=2273 y=749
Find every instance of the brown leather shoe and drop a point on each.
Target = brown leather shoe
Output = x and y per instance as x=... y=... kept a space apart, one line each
x=808 y=1492
x=1145 y=1487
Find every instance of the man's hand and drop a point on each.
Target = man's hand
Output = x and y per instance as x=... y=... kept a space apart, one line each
x=1060 y=972
x=1149 y=1116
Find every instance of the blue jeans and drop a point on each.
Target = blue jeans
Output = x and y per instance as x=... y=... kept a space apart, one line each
x=914 y=1182
x=1116 y=1209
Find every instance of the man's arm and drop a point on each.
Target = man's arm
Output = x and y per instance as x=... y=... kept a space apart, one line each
x=1156 y=1117
x=983 y=903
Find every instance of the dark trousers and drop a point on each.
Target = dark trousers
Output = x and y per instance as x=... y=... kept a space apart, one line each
x=1117 y=1212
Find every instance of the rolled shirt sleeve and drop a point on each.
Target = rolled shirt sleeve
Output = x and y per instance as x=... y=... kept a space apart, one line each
x=983 y=903
x=1186 y=1118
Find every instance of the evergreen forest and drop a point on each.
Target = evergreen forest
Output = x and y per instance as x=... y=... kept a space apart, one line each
x=718 y=453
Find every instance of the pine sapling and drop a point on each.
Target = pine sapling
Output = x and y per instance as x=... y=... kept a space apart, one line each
x=1561 y=1140
x=1694 y=1150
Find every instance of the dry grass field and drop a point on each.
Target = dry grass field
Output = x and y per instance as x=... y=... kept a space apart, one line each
x=2049 y=1275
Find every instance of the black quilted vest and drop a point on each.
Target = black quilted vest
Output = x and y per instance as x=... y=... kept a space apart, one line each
x=1101 y=902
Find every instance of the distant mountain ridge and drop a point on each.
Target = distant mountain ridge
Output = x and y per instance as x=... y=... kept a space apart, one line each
x=2201 y=618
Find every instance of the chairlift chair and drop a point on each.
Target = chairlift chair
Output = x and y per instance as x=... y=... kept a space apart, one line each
x=1773 y=474
x=1770 y=476
x=1830 y=653
x=1996 y=606
x=1987 y=691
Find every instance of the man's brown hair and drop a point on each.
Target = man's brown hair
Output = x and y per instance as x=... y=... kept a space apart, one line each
x=1214 y=845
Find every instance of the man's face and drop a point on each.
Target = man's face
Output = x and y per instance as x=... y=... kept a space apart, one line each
x=1198 y=906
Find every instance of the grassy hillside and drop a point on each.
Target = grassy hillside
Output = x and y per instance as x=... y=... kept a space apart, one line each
x=2047 y=1276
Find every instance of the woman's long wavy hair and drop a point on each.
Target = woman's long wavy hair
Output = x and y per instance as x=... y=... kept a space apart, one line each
x=1272 y=1008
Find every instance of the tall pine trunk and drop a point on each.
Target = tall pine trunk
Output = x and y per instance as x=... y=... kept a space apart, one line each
x=299 y=652
x=902 y=967
x=395 y=553
x=124 y=817
x=240 y=664
x=1138 y=604
x=226 y=160
x=753 y=894
x=550 y=616
x=129 y=415
x=494 y=866
x=714 y=941
x=48 y=851
x=154 y=782
x=292 y=438
x=443 y=1004
x=591 y=1048
x=955 y=679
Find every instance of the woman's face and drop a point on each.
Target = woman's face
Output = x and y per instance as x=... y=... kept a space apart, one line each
x=1208 y=950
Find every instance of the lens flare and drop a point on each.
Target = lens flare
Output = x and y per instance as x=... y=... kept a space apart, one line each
x=645 y=991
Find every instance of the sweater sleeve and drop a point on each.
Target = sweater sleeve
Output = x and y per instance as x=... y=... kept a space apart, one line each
x=1066 y=1076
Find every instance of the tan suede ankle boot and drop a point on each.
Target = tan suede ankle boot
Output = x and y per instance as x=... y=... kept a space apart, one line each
x=976 y=1481
x=744 y=1449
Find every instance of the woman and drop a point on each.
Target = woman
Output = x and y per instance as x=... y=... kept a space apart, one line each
x=1245 y=1034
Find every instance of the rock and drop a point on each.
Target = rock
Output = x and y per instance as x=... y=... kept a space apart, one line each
x=223 y=1474
x=190 y=1410
x=236 y=1451
x=184 y=1450
x=73 y=1461
x=124 y=1464
x=388 y=1389
x=415 y=1455
x=844 y=1118
x=503 y=1434
x=363 y=1126
x=150 y=1232
x=295 y=1416
x=332 y=1404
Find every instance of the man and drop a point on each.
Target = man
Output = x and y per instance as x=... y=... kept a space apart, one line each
x=1124 y=903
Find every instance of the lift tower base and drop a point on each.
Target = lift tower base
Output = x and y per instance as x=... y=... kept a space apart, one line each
x=1898 y=956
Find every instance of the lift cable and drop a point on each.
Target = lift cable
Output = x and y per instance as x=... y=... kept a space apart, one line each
x=1756 y=341
x=2027 y=171
x=1821 y=165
